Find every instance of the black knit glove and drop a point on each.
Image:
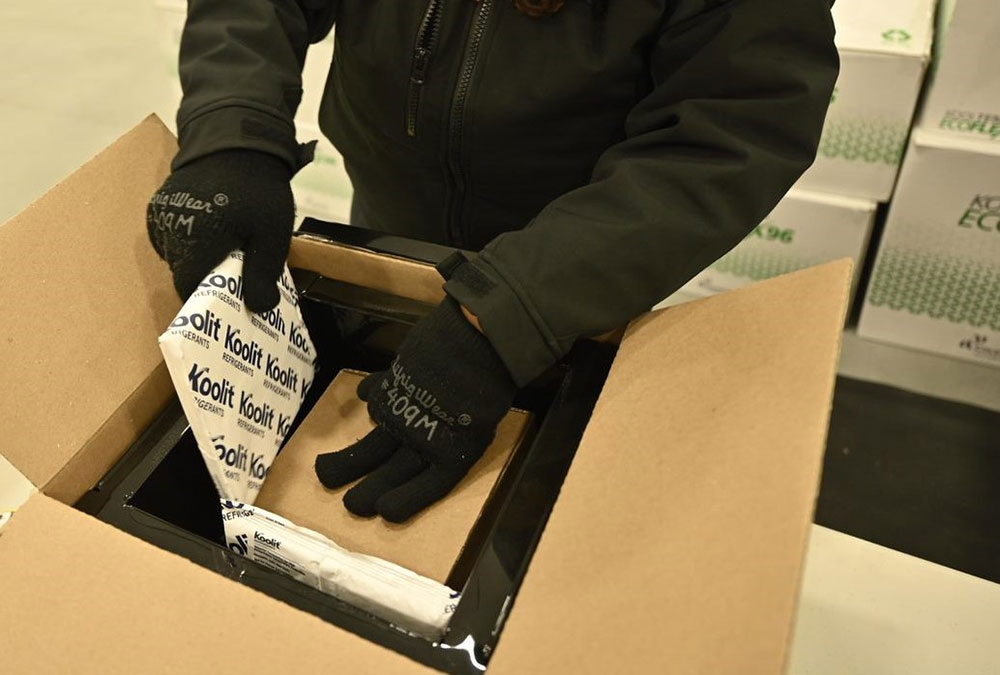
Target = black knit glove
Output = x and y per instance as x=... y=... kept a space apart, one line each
x=221 y=202
x=437 y=410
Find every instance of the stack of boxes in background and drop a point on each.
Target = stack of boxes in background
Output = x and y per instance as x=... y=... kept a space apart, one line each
x=885 y=48
x=936 y=280
x=322 y=189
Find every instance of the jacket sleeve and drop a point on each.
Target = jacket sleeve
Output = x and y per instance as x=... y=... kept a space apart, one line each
x=740 y=92
x=241 y=74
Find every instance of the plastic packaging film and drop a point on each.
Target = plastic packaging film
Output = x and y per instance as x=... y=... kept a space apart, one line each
x=241 y=377
x=403 y=598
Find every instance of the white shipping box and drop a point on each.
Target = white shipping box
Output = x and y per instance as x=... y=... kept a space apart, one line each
x=746 y=473
x=936 y=281
x=964 y=96
x=804 y=229
x=884 y=51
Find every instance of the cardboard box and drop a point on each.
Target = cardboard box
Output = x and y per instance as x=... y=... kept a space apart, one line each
x=805 y=229
x=936 y=281
x=884 y=50
x=676 y=543
x=964 y=96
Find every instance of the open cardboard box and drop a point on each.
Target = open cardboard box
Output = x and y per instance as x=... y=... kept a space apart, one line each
x=676 y=541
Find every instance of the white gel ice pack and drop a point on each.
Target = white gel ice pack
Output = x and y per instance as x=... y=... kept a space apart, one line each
x=395 y=594
x=240 y=377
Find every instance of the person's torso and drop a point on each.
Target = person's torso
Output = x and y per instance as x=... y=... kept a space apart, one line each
x=459 y=120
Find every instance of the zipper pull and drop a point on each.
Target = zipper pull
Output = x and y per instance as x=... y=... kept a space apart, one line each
x=419 y=71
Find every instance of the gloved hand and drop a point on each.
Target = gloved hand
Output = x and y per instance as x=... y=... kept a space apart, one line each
x=437 y=409
x=221 y=202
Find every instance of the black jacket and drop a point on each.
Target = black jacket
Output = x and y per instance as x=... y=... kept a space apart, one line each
x=597 y=158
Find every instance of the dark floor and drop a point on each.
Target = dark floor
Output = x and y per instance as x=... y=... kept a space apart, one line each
x=916 y=474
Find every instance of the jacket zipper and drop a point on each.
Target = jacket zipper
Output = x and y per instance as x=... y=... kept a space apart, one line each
x=456 y=120
x=426 y=37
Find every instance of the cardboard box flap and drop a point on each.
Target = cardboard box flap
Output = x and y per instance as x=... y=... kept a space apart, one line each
x=84 y=297
x=677 y=541
x=122 y=602
x=904 y=27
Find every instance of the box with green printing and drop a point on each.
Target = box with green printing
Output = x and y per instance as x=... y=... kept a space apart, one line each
x=964 y=96
x=884 y=51
x=936 y=281
x=804 y=229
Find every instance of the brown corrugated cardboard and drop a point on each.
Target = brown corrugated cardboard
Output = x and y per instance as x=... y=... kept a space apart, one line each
x=404 y=278
x=84 y=297
x=431 y=542
x=677 y=541
x=80 y=596
x=112 y=438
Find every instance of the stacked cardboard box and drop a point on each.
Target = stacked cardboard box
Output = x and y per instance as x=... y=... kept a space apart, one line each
x=884 y=51
x=964 y=99
x=805 y=229
x=936 y=280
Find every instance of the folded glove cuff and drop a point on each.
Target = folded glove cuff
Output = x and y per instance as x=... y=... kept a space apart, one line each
x=472 y=345
x=519 y=338
x=239 y=127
